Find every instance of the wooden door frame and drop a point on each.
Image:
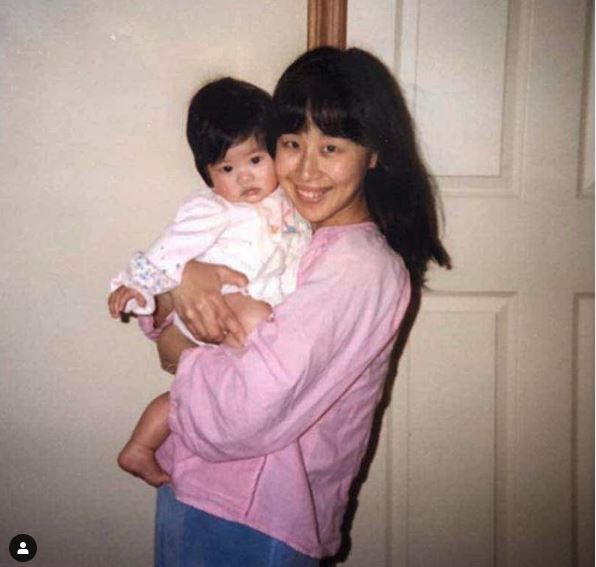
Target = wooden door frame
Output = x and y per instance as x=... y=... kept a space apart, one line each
x=327 y=23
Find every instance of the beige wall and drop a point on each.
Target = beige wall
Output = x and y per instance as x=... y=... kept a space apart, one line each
x=93 y=162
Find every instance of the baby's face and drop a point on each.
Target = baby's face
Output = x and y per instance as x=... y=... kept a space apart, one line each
x=245 y=174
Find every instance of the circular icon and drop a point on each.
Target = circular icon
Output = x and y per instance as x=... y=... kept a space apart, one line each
x=22 y=548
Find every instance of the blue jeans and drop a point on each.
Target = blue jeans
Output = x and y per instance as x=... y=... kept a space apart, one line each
x=188 y=537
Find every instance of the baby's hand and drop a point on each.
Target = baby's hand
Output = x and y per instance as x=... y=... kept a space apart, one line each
x=120 y=297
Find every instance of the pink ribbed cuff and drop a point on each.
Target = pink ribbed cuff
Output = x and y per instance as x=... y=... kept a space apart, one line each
x=147 y=325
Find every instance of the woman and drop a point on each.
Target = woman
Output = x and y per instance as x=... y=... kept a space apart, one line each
x=267 y=439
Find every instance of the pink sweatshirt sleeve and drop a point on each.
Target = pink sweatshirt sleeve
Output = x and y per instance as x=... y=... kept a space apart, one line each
x=231 y=404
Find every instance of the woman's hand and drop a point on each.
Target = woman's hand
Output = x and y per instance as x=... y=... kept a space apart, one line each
x=164 y=307
x=200 y=305
x=170 y=345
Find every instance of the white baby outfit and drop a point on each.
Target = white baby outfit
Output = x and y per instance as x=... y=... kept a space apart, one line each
x=264 y=241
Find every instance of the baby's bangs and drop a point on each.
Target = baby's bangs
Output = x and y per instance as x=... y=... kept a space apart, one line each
x=220 y=140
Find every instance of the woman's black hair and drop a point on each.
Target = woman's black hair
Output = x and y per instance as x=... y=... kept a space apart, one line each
x=351 y=94
x=223 y=113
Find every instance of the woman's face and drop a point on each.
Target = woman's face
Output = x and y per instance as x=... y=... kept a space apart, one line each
x=323 y=176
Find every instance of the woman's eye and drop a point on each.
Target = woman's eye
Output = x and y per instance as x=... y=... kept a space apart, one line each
x=226 y=168
x=289 y=144
x=330 y=149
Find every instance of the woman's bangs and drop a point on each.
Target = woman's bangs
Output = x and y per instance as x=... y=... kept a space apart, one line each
x=333 y=118
x=327 y=111
x=291 y=115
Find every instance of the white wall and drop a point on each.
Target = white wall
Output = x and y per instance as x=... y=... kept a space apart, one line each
x=93 y=162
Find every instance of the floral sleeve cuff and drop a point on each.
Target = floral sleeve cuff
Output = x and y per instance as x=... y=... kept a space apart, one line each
x=143 y=274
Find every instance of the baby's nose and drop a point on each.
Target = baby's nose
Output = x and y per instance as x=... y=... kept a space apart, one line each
x=245 y=176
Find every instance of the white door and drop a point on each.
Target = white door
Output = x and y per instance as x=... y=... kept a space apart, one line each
x=486 y=456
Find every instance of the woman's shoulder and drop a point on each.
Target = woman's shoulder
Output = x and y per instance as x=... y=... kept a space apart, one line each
x=357 y=270
x=359 y=249
x=363 y=243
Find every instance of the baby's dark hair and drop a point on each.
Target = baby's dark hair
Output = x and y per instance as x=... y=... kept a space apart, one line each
x=351 y=94
x=223 y=113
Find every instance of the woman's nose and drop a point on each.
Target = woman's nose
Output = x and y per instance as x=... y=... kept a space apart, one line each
x=307 y=166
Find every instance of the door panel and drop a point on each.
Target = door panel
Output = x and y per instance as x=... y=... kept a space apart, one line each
x=486 y=452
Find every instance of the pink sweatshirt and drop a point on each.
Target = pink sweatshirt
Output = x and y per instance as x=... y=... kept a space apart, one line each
x=272 y=435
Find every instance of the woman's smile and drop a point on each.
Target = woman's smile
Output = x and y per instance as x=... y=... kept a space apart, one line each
x=323 y=175
x=311 y=195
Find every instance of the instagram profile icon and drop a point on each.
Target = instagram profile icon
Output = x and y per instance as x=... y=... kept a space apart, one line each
x=22 y=548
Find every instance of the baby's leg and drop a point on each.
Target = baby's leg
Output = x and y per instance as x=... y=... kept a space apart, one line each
x=250 y=313
x=138 y=455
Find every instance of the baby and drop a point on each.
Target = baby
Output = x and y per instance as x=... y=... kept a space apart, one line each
x=241 y=220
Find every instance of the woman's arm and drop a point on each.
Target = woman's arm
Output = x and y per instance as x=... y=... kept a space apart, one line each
x=164 y=307
x=201 y=306
x=240 y=403
x=170 y=345
x=249 y=311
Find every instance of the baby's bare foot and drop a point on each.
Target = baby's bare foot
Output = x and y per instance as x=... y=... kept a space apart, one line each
x=140 y=461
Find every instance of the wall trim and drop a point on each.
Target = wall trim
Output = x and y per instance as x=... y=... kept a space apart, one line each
x=327 y=23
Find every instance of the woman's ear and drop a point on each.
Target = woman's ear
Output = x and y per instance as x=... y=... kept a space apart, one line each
x=373 y=160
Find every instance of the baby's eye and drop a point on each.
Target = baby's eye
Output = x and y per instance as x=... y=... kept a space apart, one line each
x=256 y=159
x=225 y=168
